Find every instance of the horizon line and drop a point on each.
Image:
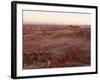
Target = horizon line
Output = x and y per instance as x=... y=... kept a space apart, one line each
x=54 y=24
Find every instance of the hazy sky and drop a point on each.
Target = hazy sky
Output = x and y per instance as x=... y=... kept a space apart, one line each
x=37 y=17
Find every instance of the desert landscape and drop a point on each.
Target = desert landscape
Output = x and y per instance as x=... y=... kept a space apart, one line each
x=56 y=46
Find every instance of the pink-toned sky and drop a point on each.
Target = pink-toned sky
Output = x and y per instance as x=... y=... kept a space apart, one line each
x=33 y=17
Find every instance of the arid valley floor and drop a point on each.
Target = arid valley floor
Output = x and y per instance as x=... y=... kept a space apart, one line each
x=54 y=46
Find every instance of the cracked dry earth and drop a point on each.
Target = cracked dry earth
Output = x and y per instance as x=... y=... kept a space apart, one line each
x=54 y=49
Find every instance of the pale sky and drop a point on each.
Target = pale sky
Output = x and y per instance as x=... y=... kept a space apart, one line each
x=37 y=17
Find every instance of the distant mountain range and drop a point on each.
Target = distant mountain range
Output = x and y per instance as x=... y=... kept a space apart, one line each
x=53 y=25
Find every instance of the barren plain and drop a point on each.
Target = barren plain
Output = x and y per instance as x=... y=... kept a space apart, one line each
x=54 y=46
